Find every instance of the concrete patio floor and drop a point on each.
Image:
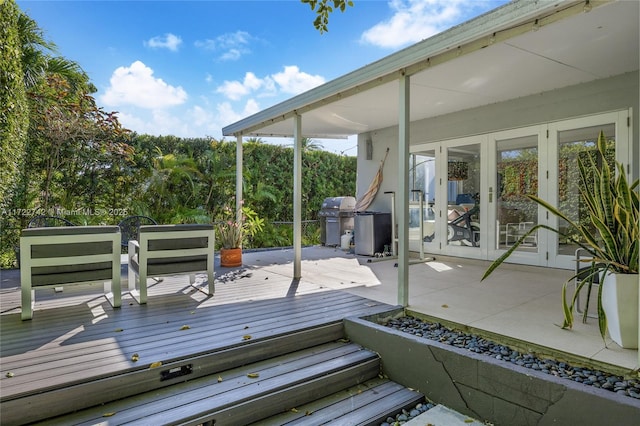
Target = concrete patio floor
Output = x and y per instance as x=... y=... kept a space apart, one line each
x=519 y=302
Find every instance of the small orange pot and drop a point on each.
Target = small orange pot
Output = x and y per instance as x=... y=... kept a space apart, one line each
x=231 y=257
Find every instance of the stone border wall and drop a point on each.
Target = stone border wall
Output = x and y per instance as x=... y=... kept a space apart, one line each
x=486 y=388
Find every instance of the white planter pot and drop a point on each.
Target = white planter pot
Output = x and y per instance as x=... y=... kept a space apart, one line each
x=620 y=304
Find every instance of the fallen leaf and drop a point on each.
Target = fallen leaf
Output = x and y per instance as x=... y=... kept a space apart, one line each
x=253 y=375
x=192 y=312
x=135 y=357
x=219 y=379
x=468 y=420
x=445 y=306
x=9 y=374
x=185 y=327
x=108 y=414
x=308 y=413
x=294 y=410
x=246 y=337
x=155 y=364
x=118 y=330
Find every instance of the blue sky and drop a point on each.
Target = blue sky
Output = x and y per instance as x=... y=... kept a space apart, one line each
x=189 y=68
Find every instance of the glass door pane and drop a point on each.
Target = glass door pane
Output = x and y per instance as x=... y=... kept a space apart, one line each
x=517 y=168
x=575 y=145
x=422 y=180
x=463 y=189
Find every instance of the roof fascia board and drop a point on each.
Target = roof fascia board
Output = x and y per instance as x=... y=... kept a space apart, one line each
x=448 y=45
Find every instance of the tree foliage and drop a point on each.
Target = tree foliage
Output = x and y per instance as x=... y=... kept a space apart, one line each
x=13 y=101
x=322 y=9
x=64 y=155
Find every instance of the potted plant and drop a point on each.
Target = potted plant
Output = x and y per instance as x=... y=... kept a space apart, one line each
x=612 y=239
x=232 y=234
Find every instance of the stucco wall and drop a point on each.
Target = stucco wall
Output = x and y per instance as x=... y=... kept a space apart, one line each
x=616 y=93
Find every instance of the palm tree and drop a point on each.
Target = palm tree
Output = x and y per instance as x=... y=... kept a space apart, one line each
x=309 y=144
x=37 y=59
x=172 y=183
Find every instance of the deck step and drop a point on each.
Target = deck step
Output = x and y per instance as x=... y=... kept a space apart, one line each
x=128 y=383
x=369 y=403
x=245 y=394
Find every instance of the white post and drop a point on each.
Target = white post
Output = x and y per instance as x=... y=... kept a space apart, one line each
x=239 y=162
x=297 y=197
x=402 y=206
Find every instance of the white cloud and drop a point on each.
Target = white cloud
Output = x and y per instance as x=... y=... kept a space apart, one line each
x=136 y=85
x=235 y=90
x=200 y=117
x=196 y=121
x=168 y=41
x=293 y=81
x=231 y=45
x=231 y=55
x=226 y=113
x=415 y=20
x=289 y=81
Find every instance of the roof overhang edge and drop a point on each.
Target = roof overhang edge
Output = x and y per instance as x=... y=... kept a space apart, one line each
x=406 y=60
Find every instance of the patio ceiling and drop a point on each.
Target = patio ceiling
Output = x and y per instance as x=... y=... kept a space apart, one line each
x=493 y=58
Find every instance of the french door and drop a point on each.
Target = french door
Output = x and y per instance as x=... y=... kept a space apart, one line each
x=543 y=161
x=572 y=141
x=518 y=170
x=450 y=177
x=474 y=191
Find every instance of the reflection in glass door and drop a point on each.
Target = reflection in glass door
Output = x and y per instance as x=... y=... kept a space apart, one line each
x=463 y=195
x=575 y=145
x=517 y=177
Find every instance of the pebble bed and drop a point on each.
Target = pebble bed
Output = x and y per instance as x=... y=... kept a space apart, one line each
x=586 y=376
x=407 y=415
x=436 y=331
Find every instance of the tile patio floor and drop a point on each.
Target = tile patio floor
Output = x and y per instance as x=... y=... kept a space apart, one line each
x=520 y=302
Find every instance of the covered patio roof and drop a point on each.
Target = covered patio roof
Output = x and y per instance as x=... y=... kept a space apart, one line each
x=519 y=49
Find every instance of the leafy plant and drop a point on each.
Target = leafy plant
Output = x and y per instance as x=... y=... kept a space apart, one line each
x=232 y=234
x=613 y=212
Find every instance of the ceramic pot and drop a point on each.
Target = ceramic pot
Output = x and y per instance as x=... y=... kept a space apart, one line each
x=620 y=304
x=230 y=257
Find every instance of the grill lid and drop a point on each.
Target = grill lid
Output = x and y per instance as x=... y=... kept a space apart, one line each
x=338 y=206
x=341 y=203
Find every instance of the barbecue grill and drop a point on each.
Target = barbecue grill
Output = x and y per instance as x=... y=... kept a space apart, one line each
x=336 y=216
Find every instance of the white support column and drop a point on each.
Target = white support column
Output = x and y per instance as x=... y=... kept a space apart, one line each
x=402 y=200
x=239 y=161
x=297 y=197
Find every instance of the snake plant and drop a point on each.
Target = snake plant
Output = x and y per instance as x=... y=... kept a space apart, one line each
x=612 y=209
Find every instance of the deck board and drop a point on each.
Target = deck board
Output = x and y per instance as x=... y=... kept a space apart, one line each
x=76 y=336
x=202 y=396
x=366 y=399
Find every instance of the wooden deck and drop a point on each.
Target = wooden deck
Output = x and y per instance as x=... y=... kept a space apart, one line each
x=78 y=351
